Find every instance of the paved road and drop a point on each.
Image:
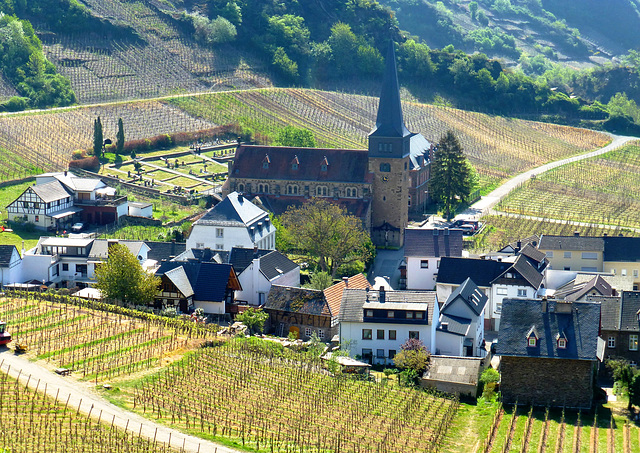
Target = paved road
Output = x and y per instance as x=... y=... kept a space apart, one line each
x=487 y=202
x=81 y=395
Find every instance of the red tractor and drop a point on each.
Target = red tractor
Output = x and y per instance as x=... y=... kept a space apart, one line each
x=4 y=336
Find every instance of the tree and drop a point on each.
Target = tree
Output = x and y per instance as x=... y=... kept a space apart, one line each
x=285 y=65
x=98 y=139
x=122 y=278
x=473 y=9
x=253 y=318
x=413 y=356
x=120 y=137
x=295 y=136
x=326 y=232
x=489 y=380
x=319 y=281
x=634 y=391
x=452 y=177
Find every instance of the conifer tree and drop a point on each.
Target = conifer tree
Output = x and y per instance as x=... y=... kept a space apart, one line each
x=98 y=139
x=120 y=137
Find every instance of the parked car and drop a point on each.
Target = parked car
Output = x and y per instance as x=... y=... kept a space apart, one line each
x=467 y=229
x=77 y=227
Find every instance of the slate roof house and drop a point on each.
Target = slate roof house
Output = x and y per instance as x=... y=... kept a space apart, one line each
x=541 y=343
x=423 y=249
x=620 y=327
x=460 y=330
x=380 y=185
x=258 y=270
x=298 y=310
x=234 y=222
x=374 y=324
x=622 y=257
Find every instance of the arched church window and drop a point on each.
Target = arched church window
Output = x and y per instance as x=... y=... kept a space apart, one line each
x=386 y=167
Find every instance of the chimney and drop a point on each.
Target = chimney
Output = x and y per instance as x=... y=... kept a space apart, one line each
x=445 y=326
x=65 y=172
x=543 y=305
x=255 y=251
x=240 y=197
x=345 y=280
x=518 y=246
x=605 y=235
x=382 y=294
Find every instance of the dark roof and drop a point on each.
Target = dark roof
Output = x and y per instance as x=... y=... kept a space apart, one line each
x=629 y=311
x=5 y=254
x=234 y=210
x=419 y=151
x=278 y=205
x=208 y=280
x=455 y=324
x=609 y=311
x=598 y=283
x=529 y=273
x=241 y=257
x=579 y=322
x=389 y=122
x=432 y=242
x=203 y=255
x=344 y=165
x=50 y=191
x=533 y=253
x=164 y=250
x=482 y=272
x=621 y=249
x=470 y=294
x=511 y=247
x=297 y=300
x=570 y=243
x=274 y=264
x=353 y=301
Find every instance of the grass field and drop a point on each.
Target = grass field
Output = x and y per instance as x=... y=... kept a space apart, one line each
x=600 y=190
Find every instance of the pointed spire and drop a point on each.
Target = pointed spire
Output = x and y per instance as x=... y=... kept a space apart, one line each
x=390 y=122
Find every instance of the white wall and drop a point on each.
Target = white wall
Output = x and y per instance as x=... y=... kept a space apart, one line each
x=450 y=344
x=210 y=307
x=511 y=293
x=553 y=279
x=141 y=212
x=205 y=235
x=13 y=272
x=123 y=209
x=36 y=267
x=419 y=278
x=254 y=282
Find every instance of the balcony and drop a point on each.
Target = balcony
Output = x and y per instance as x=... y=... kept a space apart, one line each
x=109 y=202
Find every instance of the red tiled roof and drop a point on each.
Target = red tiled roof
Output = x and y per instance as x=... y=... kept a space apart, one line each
x=333 y=293
x=344 y=165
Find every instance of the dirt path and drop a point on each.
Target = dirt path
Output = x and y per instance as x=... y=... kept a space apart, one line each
x=80 y=394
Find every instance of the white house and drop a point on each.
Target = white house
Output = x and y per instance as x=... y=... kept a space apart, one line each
x=10 y=265
x=423 y=249
x=460 y=330
x=234 y=222
x=258 y=270
x=374 y=324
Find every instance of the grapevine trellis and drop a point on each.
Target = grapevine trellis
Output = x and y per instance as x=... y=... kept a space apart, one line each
x=31 y=422
x=284 y=404
x=96 y=344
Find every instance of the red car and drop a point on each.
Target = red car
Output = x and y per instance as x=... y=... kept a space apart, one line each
x=4 y=336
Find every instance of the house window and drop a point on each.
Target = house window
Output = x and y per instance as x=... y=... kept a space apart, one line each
x=308 y=331
x=522 y=293
x=424 y=264
x=321 y=334
x=385 y=167
x=385 y=147
x=589 y=256
x=65 y=267
x=533 y=341
x=37 y=218
x=368 y=313
x=409 y=315
x=321 y=191
x=367 y=354
x=219 y=246
x=562 y=343
x=391 y=314
x=414 y=334
x=635 y=273
x=501 y=291
x=623 y=272
x=380 y=334
x=240 y=187
x=367 y=334
x=392 y=353
x=567 y=254
x=219 y=232
x=392 y=335
x=633 y=342
x=611 y=342
x=199 y=245
x=380 y=353
x=549 y=254
x=567 y=268
x=292 y=189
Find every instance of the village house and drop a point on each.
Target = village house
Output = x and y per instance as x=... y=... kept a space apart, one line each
x=234 y=222
x=548 y=352
x=423 y=249
x=258 y=270
x=333 y=295
x=298 y=311
x=460 y=328
x=375 y=324
x=622 y=257
x=10 y=265
x=573 y=253
x=620 y=325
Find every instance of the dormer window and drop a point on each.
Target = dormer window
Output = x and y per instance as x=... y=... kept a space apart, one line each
x=562 y=343
x=368 y=313
x=533 y=342
x=532 y=338
x=324 y=164
x=295 y=163
x=266 y=161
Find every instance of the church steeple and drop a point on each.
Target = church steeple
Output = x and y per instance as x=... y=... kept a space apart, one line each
x=389 y=122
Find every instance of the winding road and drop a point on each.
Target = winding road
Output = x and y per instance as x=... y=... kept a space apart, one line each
x=81 y=395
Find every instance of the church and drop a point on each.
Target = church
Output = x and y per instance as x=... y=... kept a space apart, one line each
x=381 y=185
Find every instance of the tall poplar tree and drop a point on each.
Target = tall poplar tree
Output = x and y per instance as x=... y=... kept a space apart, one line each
x=452 y=176
x=120 y=137
x=98 y=139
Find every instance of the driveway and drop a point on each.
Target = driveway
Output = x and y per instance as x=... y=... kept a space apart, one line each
x=82 y=395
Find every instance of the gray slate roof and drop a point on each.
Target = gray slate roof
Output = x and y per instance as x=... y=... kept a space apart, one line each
x=297 y=300
x=5 y=254
x=424 y=243
x=241 y=257
x=470 y=294
x=625 y=249
x=580 y=326
x=178 y=277
x=533 y=253
x=571 y=243
x=204 y=255
x=609 y=311
x=629 y=311
x=274 y=264
x=51 y=191
x=463 y=370
x=598 y=283
x=529 y=273
x=454 y=271
x=354 y=300
x=208 y=280
x=234 y=210
x=455 y=325
x=164 y=250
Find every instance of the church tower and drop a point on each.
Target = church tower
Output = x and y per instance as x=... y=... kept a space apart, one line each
x=389 y=149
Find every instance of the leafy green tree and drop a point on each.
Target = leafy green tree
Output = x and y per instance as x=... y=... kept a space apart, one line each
x=253 y=318
x=290 y=33
x=98 y=139
x=120 y=137
x=122 y=278
x=296 y=136
x=489 y=380
x=370 y=62
x=634 y=391
x=326 y=233
x=473 y=9
x=319 y=281
x=415 y=59
x=285 y=65
x=452 y=177
x=344 y=46
x=413 y=356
